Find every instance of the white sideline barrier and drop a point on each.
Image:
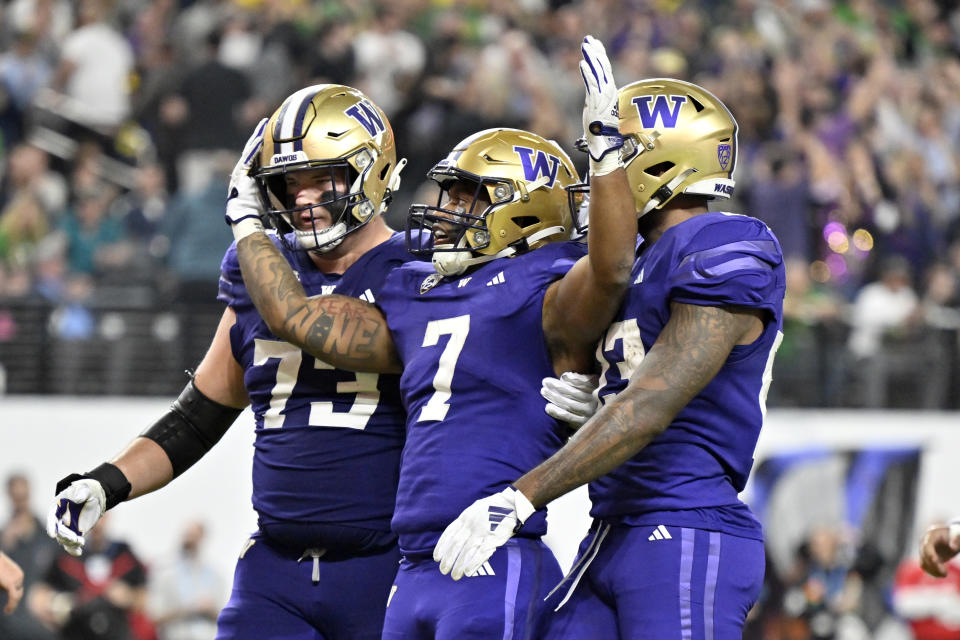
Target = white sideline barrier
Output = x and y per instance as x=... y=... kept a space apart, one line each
x=48 y=437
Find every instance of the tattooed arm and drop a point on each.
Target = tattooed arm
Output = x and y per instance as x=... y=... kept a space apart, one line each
x=346 y=332
x=686 y=356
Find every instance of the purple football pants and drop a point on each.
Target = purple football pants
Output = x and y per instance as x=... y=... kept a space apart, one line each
x=276 y=595
x=503 y=602
x=663 y=582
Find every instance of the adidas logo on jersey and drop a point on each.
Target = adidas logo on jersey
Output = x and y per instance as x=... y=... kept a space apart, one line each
x=484 y=570
x=368 y=296
x=497 y=279
x=660 y=533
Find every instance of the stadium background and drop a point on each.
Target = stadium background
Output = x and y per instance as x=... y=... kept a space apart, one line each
x=120 y=121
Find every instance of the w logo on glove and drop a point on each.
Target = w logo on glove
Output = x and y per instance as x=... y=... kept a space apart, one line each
x=72 y=512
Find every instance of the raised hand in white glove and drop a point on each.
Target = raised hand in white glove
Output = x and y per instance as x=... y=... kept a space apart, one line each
x=601 y=116
x=481 y=529
x=75 y=510
x=243 y=198
x=570 y=397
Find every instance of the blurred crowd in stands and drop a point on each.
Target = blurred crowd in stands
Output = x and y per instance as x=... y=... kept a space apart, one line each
x=120 y=121
x=108 y=593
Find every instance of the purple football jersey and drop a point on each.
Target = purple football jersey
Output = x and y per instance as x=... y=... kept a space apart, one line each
x=474 y=354
x=328 y=442
x=690 y=474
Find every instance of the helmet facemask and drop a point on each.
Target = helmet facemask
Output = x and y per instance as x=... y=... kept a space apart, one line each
x=305 y=227
x=578 y=199
x=459 y=219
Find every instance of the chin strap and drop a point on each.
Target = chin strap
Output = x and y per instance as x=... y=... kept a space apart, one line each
x=394 y=182
x=455 y=263
x=543 y=233
x=664 y=193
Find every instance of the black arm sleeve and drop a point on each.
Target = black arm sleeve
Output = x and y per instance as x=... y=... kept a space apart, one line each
x=191 y=427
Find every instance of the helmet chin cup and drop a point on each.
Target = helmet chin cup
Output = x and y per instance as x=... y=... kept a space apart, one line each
x=322 y=241
x=450 y=263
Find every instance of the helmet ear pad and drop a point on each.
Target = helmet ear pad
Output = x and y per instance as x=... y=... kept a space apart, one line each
x=679 y=138
x=336 y=128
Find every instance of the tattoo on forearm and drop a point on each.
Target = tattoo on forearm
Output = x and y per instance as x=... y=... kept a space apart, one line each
x=687 y=355
x=341 y=330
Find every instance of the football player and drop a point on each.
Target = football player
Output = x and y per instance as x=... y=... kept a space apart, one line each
x=686 y=364
x=328 y=441
x=503 y=303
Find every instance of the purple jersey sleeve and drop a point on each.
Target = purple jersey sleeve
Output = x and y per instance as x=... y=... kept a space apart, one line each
x=730 y=262
x=231 y=290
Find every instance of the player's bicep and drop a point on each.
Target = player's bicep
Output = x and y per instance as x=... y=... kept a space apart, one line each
x=219 y=376
x=577 y=308
x=692 y=347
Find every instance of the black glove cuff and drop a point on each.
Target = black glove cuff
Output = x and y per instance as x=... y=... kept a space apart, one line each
x=115 y=485
x=66 y=482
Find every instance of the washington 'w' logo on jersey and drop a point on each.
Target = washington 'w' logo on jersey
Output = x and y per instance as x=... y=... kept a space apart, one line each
x=535 y=166
x=661 y=110
x=366 y=114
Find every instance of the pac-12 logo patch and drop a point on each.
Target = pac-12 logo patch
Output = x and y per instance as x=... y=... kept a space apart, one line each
x=724 y=153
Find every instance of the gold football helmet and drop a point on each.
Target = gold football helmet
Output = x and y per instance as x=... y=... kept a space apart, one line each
x=329 y=128
x=677 y=138
x=520 y=200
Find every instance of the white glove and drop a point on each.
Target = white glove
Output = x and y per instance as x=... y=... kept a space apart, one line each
x=75 y=510
x=570 y=397
x=601 y=117
x=481 y=529
x=243 y=197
